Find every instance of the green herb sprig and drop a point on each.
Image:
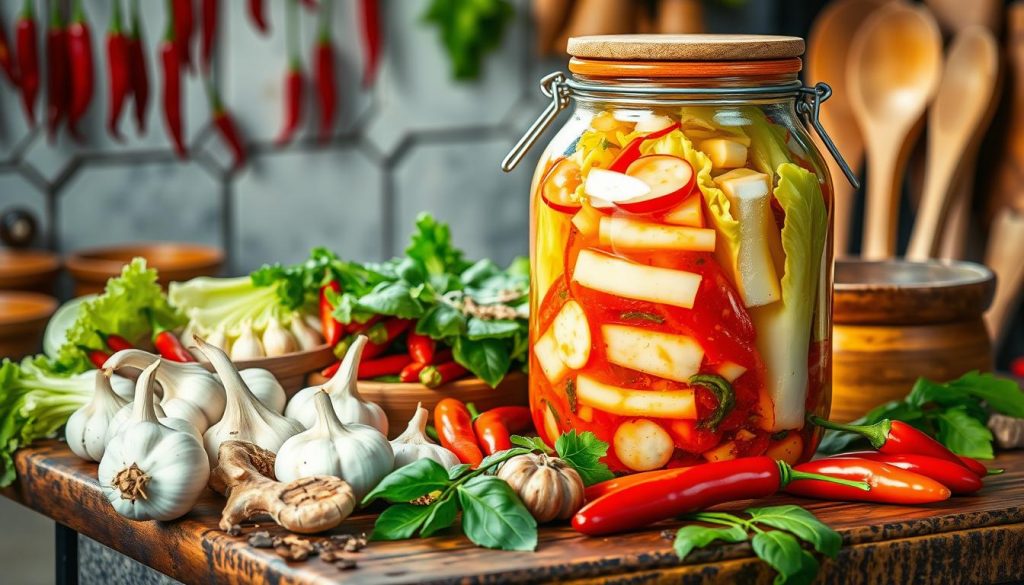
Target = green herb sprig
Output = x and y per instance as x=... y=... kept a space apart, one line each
x=583 y=451
x=780 y=548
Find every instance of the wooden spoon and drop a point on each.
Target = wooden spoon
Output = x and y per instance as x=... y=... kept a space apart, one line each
x=955 y=15
x=549 y=17
x=828 y=46
x=894 y=68
x=956 y=124
x=1003 y=257
x=680 y=16
x=598 y=17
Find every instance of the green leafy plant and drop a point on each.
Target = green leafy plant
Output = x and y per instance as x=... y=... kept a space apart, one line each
x=469 y=29
x=953 y=412
x=779 y=547
x=583 y=451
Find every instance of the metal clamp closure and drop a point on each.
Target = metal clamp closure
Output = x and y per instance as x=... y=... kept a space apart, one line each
x=553 y=86
x=810 y=107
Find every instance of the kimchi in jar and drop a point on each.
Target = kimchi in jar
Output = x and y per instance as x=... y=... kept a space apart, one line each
x=681 y=251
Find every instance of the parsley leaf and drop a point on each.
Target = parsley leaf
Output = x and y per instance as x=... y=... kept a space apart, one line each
x=584 y=452
x=532 y=443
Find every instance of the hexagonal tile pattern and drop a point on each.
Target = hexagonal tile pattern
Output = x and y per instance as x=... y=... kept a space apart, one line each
x=15 y=191
x=292 y=201
x=110 y=204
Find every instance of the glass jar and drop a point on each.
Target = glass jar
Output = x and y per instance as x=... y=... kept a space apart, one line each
x=681 y=251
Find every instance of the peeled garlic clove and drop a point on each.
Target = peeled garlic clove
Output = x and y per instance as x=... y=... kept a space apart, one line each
x=277 y=340
x=248 y=346
x=307 y=337
x=218 y=339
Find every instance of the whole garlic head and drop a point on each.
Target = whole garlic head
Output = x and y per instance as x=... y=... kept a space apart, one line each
x=414 y=444
x=549 y=487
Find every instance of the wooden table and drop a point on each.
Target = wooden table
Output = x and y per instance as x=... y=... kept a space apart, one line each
x=976 y=539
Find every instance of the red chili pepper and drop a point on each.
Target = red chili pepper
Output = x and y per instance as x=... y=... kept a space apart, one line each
x=258 y=15
x=119 y=66
x=323 y=63
x=495 y=427
x=977 y=467
x=28 y=59
x=895 y=438
x=293 y=86
x=889 y=484
x=455 y=429
x=356 y=327
x=184 y=22
x=329 y=326
x=170 y=57
x=57 y=74
x=166 y=343
x=957 y=478
x=435 y=376
x=96 y=357
x=225 y=125
x=311 y=4
x=208 y=33
x=597 y=490
x=81 y=67
x=382 y=335
x=6 y=58
x=631 y=151
x=329 y=371
x=421 y=347
x=115 y=342
x=689 y=490
x=137 y=69
x=411 y=372
x=385 y=366
x=370 y=17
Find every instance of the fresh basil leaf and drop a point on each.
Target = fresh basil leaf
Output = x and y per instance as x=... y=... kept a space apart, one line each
x=493 y=328
x=1002 y=394
x=441 y=321
x=400 y=521
x=783 y=553
x=487 y=358
x=410 y=482
x=442 y=515
x=926 y=391
x=698 y=536
x=964 y=434
x=584 y=452
x=502 y=456
x=479 y=272
x=802 y=524
x=458 y=471
x=519 y=267
x=532 y=443
x=410 y=271
x=493 y=516
x=393 y=298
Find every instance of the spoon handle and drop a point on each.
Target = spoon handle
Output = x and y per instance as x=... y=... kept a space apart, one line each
x=883 y=199
x=936 y=202
x=1003 y=257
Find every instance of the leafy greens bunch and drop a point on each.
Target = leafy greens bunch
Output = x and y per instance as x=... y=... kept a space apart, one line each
x=953 y=412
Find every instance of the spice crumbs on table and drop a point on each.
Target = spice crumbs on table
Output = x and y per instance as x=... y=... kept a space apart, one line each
x=261 y=539
x=667 y=535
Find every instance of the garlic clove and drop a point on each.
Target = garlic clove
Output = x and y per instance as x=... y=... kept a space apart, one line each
x=308 y=337
x=277 y=340
x=184 y=410
x=248 y=346
x=122 y=417
x=188 y=381
x=219 y=339
x=414 y=444
x=86 y=429
x=266 y=388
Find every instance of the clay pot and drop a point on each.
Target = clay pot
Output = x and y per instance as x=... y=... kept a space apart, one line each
x=173 y=261
x=23 y=317
x=28 y=270
x=896 y=321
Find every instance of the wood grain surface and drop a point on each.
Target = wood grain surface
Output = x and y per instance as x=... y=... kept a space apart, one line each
x=971 y=539
x=687 y=47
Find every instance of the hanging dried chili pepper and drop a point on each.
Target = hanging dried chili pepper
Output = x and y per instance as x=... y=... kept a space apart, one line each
x=209 y=33
x=184 y=25
x=370 y=19
x=118 y=64
x=6 y=58
x=310 y=4
x=225 y=125
x=259 y=17
x=28 y=59
x=81 y=67
x=326 y=86
x=56 y=70
x=293 y=82
x=170 y=58
x=137 y=70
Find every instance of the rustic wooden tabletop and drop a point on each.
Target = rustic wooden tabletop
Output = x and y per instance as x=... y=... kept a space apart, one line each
x=973 y=539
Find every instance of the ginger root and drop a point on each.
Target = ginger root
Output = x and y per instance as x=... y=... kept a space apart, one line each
x=307 y=505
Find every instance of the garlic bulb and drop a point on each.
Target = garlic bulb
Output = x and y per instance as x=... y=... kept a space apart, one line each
x=247 y=346
x=123 y=417
x=218 y=338
x=413 y=444
x=344 y=391
x=549 y=487
x=150 y=471
x=245 y=417
x=86 y=430
x=277 y=340
x=266 y=388
x=358 y=454
x=308 y=337
x=184 y=410
x=123 y=387
x=189 y=382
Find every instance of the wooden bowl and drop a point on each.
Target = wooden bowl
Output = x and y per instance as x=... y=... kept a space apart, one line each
x=28 y=270
x=174 y=261
x=399 y=400
x=291 y=369
x=896 y=321
x=23 y=317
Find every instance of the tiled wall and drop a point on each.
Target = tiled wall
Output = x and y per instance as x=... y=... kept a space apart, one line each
x=415 y=141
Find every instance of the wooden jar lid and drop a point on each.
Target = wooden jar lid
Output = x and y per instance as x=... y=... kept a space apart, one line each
x=694 y=47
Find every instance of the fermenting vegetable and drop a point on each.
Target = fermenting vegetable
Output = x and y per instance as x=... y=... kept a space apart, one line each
x=86 y=430
x=413 y=444
x=549 y=488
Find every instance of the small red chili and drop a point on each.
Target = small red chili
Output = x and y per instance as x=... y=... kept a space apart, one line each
x=57 y=74
x=369 y=14
x=293 y=90
x=441 y=374
x=225 y=125
x=421 y=347
x=691 y=489
x=889 y=484
x=6 y=57
x=606 y=487
x=97 y=357
x=329 y=326
x=385 y=366
x=208 y=33
x=170 y=57
x=895 y=438
x=81 y=67
x=119 y=66
x=258 y=15
x=958 y=478
x=115 y=342
x=137 y=69
x=28 y=59
x=411 y=372
x=324 y=67
x=455 y=429
x=494 y=428
x=357 y=327
x=978 y=467
x=383 y=334
x=184 y=23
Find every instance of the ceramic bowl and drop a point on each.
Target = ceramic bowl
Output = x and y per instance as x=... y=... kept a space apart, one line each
x=23 y=317
x=28 y=270
x=174 y=261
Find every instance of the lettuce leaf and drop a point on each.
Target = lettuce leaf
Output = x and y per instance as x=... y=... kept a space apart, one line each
x=768 y=141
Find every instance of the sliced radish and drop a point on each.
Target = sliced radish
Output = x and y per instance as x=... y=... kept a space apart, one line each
x=559 y=186
x=572 y=335
x=614 y=187
x=605 y=207
x=670 y=179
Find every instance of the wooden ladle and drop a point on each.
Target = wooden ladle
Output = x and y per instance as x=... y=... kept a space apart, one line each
x=1003 y=256
x=894 y=68
x=956 y=123
x=828 y=46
